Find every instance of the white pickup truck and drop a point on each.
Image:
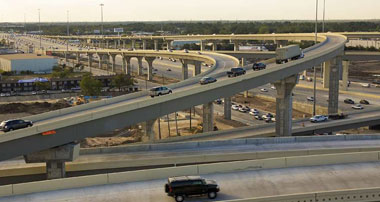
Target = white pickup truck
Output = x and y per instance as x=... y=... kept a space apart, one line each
x=284 y=54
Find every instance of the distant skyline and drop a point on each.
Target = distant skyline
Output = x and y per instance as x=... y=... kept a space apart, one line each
x=185 y=10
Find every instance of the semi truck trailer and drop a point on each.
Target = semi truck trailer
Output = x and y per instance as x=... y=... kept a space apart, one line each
x=287 y=53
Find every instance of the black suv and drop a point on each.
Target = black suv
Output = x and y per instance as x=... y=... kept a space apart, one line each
x=14 y=124
x=258 y=66
x=236 y=71
x=185 y=186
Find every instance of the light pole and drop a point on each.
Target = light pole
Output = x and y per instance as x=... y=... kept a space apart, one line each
x=315 y=68
x=39 y=27
x=68 y=32
x=324 y=12
x=102 y=31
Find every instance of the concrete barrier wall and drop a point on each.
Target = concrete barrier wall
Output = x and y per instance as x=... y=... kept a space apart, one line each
x=163 y=173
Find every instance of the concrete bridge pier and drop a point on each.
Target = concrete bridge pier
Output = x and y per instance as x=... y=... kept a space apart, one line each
x=214 y=46
x=284 y=105
x=127 y=64
x=113 y=62
x=150 y=67
x=227 y=108
x=281 y=43
x=156 y=45
x=208 y=117
x=185 y=69
x=197 y=68
x=148 y=129
x=90 y=61
x=107 y=44
x=346 y=65
x=202 y=45
x=133 y=46
x=242 y=62
x=326 y=74
x=55 y=159
x=115 y=44
x=144 y=44
x=336 y=65
x=124 y=45
x=78 y=58
x=169 y=45
x=236 y=45
x=140 y=66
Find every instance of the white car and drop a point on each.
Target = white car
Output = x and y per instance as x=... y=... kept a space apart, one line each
x=263 y=90
x=254 y=113
x=366 y=85
x=318 y=118
x=311 y=99
x=273 y=87
x=357 y=107
x=235 y=107
x=2 y=95
x=244 y=109
x=161 y=90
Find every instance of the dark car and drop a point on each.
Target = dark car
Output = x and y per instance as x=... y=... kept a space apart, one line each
x=258 y=66
x=207 y=80
x=185 y=186
x=337 y=116
x=236 y=71
x=349 y=101
x=364 y=102
x=14 y=124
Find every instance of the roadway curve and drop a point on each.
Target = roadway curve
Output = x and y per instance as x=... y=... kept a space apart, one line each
x=96 y=118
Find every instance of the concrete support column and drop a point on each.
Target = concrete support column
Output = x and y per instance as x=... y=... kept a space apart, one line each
x=140 y=66
x=113 y=62
x=78 y=58
x=236 y=45
x=156 y=45
x=202 y=45
x=336 y=65
x=326 y=74
x=304 y=73
x=100 y=61
x=133 y=44
x=66 y=57
x=169 y=45
x=242 y=62
x=281 y=43
x=197 y=68
x=185 y=69
x=144 y=44
x=150 y=67
x=124 y=46
x=55 y=159
x=284 y=105
x=227 y=108
x=246 y=94
x=107 y=44
x=208 y=117
x=127 y=65
x=90 y=61
x=346 y=65
x=214 y=46
x=115 y=44
x=149 y=132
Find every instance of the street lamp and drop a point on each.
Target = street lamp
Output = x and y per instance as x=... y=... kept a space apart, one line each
x=68 y=32
x=39 y=27
x=102 y=31
x=324 y=12
x=315 y=69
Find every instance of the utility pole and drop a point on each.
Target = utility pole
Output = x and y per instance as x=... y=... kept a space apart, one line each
x=102 y=31
x=39 y=27
x=315 y=68
x=324 y=12
x=68 y=34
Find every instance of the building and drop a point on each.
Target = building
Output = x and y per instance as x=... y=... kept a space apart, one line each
x=27 y=62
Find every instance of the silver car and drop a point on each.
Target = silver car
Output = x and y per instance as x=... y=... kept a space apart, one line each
x=161 y=90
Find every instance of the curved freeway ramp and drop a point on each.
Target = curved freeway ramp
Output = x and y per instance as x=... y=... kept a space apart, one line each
x=93 y=119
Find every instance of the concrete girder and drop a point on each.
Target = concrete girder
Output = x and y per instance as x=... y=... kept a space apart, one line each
x=150 y=67
x=113 y=62
x=284 y=105
x=127 y=64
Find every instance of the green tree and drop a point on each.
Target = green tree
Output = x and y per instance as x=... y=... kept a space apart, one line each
x=264 y=29
x=90 y=86
x=42 y=85
x=121 y=80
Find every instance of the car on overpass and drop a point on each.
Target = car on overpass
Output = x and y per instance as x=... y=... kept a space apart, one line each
x=161 y=90
x=258 y=66
x=318 y=118
x=207 y=80
x=236 y=71
x=185 y=186
x=15 y=124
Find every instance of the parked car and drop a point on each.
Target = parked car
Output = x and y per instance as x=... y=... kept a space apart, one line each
x=207 y=80
x=219 y=101
x=357 y=106
x=254 y=112
x=364 y=102
x=258 y=117
x=318 y=118
x=235 y=107
x=349 y=101
x=258 y=66
x=265 y=116
x=15 y=124
x=273 y=87
x=161 y=90
x=264 y=90
x=236 y=71
x=185 y=186
x=311 y=99
x=244 y=109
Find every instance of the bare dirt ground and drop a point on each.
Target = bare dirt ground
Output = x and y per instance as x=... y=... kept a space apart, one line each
x=366 y=71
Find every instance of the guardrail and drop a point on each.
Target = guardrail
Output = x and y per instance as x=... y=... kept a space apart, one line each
x=154 y=174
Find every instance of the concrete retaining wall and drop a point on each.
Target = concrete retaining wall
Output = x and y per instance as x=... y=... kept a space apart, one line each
x=163 y=173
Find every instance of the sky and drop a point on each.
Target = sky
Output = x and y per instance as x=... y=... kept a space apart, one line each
x=184 y=10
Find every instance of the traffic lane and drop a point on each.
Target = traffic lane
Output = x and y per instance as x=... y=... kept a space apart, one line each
x=234 y=185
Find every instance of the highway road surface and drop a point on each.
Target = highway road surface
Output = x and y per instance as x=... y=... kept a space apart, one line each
x=236 y=185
